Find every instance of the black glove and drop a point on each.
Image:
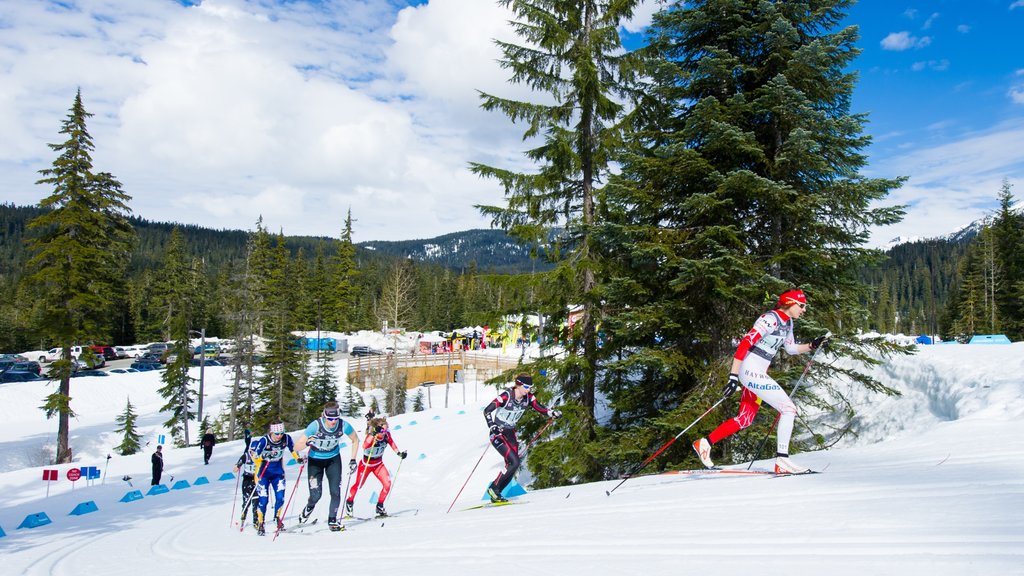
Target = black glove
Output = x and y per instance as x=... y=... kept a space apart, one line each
x=352 y=466
x=554 y=413
x=732 y=386
x=819 y=342
x=403 y=454
x=495 y=430
x=370 y=415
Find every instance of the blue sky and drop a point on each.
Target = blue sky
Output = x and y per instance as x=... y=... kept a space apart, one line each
x=222 y=111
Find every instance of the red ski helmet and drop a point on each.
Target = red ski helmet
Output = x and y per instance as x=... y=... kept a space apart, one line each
x=787 y=299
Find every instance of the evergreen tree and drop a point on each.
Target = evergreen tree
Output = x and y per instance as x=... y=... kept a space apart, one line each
x=345 y=275
x=1008 y=232
x=178 y=393
x=417 y=402
x=352 y=405
x=84 y=238
x=176 y=300
x=321 y=389
x=280 y=391
x=572 y=54
x=741 y=182
x=130 y=442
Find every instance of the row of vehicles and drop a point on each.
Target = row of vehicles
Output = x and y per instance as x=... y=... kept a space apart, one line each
x=87 y=360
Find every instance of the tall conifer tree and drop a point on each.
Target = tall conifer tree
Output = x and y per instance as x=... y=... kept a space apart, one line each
x=572 y=56
x=743 y=181
x=79 y=256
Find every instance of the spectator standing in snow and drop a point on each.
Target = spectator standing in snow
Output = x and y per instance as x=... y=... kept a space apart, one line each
x=158 y=464
x=501 y=416
x=323 y=436
x=771 y=331
x=208 y=441
x=378 y=437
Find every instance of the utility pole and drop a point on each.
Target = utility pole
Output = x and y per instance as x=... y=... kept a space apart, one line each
x=202 y=370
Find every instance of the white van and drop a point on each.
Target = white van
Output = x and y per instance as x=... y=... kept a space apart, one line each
x=54 y=353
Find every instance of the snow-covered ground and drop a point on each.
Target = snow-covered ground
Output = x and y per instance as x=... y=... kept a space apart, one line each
x=933 y=484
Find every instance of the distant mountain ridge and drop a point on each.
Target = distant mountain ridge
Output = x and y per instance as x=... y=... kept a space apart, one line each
x=486 y=250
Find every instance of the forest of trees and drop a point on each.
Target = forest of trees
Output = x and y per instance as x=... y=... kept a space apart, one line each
x=678 y=188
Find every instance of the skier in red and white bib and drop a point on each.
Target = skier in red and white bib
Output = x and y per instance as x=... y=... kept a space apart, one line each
x=771 y=331
x=378 y=437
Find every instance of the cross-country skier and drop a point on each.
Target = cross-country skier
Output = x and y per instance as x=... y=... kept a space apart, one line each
x=247 y=468
x=771 y=331
x=378 y=438
x=268 y=455
x=323 y=436
x=502 y=415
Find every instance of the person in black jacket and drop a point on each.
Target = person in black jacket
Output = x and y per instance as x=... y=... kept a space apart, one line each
x=208 y=441
x=502 y=415
x=158 y=464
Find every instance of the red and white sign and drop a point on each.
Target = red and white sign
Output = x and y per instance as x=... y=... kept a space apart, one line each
x=74 y=474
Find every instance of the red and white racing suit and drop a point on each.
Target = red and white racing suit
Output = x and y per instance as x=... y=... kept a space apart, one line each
x=372 y=462
x=773 y=330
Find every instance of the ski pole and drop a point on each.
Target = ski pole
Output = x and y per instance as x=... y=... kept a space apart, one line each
x=468 y=477
x=537 y=435
x=394 y=479
x=667 y=444
x=792 y=394
x=284 y=511
x=234 y=498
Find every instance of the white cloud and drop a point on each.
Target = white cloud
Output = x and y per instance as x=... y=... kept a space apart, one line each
x=643 y=15
x=221 y=112
x=936 y=65
x=953 y=184
x=900 y=41
x=931 y=20
x=1017 y=4
x=963 y=28
x=910 y=13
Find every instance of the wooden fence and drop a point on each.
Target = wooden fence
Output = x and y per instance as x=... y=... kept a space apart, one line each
x=437 y=368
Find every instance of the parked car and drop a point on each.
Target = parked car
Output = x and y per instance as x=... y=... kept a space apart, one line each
x=28 y=366
x=208 y=362
x=107 y=352
x=143 y=366
x=365 y=351
x=124 y=370
x=37 y=355
x=91 y=372
x=54 y=354
x=135 y=351
x=19 y=376
x=6 y=364
x=209 y=350
x=92 y=359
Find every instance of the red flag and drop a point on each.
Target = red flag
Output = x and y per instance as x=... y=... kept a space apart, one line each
x=50 y=475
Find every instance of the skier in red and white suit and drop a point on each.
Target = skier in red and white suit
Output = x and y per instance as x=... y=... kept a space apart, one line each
x=771 y=331
x=378 y=438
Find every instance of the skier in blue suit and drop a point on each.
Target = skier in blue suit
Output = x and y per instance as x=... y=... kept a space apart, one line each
x=268 y=454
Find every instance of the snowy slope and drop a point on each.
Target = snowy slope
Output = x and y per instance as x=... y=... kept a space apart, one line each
x=933 y=485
